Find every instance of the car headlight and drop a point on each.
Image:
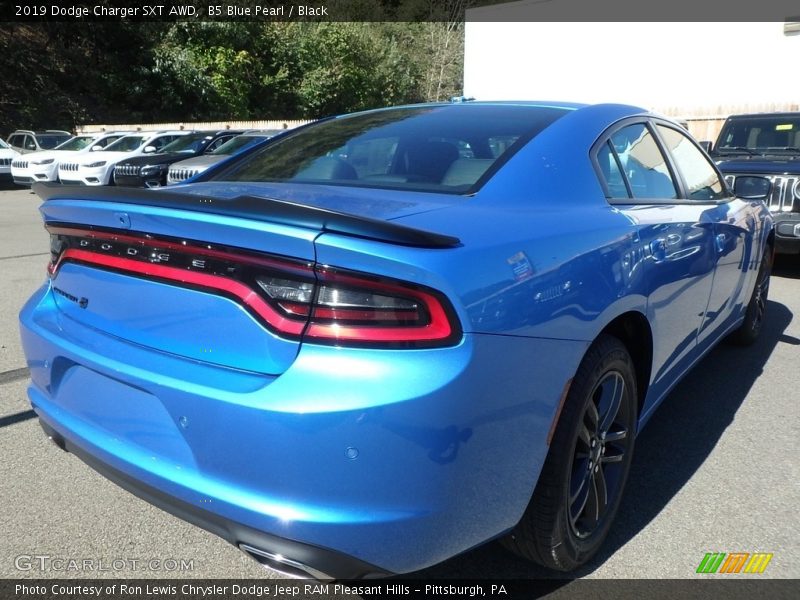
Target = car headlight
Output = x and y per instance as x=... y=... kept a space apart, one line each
x=151 y=170
x=46 y=161
x=797 y=188
x=100 y=163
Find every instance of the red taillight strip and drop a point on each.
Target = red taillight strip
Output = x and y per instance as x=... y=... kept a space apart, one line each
x=185 y=248
x=438 y=328
x=243 y=293
x=441 y=327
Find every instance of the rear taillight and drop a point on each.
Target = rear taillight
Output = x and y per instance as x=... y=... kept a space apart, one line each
x=356 y=309
x=291 y=298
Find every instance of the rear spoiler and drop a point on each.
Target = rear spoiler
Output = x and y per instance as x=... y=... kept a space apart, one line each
x=260 y=209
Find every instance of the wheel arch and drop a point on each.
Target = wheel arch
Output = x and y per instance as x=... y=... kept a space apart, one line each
x=633 y=330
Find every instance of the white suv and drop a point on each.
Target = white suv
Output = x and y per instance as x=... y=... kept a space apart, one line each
x=43 y=166
x=97 y=168
x=7 y=155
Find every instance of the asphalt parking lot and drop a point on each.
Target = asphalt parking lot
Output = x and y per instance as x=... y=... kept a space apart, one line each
x=716 y=470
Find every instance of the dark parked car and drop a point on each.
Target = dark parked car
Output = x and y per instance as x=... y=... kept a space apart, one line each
x=151 y=170
x=191 y=167
x=385 y=338
x=766 y=144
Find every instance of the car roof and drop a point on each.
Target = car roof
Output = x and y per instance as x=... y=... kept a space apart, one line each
x=262 y=132
x=45 y=132
x=761 y=115
x=462 y=105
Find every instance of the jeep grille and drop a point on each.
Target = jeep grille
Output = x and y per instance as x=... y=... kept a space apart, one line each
x=131 y=170
x=181 y=174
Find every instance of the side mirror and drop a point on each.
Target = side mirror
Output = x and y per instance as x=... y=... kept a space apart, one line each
x=97 y=148
x=751 y=187
x=706 y=145
x=149 y=149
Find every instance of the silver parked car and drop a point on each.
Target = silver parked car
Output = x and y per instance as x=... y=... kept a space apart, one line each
x=186 y=169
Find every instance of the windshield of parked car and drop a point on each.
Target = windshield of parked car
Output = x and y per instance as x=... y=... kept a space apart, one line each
x=437 y=148
x=3 y=144
x=48 y=142
x=238 y=143
x=129 y=143
x=107 y=141
x=761 y=135
x=76 y=143
x=191 y=144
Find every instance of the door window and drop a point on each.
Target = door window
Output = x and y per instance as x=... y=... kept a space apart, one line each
x=701 y=178
x=642 y=163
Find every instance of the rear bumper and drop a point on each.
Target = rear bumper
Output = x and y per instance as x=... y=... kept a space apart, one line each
x=320 y=562
x=355 y=463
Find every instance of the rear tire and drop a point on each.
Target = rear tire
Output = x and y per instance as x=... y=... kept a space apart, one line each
x=580 y=486
x=756 y=312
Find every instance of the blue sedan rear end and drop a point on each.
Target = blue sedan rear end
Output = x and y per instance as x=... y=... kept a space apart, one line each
x=389 y=337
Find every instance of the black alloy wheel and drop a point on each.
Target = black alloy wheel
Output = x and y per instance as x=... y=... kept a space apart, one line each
x=756 y=312
x=580 y=486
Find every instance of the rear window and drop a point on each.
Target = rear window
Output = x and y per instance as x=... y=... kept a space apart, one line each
x=442 y=148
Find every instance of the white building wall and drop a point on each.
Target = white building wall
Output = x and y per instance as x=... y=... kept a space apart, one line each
x=696 y=71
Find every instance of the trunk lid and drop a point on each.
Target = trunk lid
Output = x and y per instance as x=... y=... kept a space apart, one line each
x=197 y=274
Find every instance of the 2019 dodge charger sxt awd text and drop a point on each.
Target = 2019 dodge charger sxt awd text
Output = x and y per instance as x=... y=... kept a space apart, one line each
x=388 y=337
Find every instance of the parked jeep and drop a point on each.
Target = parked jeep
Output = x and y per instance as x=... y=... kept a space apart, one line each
x=766 y=144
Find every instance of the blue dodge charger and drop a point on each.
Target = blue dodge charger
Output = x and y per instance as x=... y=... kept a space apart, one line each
x=385 y=338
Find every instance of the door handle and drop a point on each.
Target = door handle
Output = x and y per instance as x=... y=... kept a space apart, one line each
x=722 y=241
x=658 y=249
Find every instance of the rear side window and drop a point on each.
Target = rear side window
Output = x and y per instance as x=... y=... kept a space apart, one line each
x=445 y=148
x=612 y=171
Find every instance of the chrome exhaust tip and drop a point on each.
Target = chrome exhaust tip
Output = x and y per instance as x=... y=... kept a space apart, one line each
x=283 y=565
